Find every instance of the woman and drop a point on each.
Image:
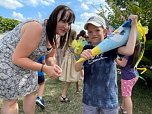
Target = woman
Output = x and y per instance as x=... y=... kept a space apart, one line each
x=19 y=50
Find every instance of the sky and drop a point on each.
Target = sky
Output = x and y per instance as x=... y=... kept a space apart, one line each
x=41 y=9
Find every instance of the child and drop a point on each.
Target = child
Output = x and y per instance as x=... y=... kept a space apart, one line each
x=100 y=93
x=41 y=82
x=83 y=38
x=69 y=74
x=128 y=78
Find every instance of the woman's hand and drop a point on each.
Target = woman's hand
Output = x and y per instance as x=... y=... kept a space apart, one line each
x=53 y=71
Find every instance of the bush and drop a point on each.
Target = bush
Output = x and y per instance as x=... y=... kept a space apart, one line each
x=7 y=24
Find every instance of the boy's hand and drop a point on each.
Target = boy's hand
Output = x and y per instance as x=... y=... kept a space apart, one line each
x=86 y=54
x=134 y=19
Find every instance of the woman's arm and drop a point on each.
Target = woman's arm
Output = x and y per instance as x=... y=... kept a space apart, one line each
x=30 y=38
x=51 y=57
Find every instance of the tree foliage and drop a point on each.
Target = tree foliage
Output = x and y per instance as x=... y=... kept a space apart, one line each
x=7 y=24
x=121 y=9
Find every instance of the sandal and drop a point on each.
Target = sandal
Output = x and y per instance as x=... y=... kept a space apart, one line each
x=64 y=99
x=79 y=90
x=122 y=110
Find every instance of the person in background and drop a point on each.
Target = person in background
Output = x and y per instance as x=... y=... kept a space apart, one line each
x=100 y=92
x=69 y=74
x=41 y=81
x=82 y=36
x=84 y=39
x=19 y=50
x=82 y=33
x=128 y=78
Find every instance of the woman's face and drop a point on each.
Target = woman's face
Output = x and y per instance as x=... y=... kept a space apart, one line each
x=62 y=25
x=95 y=34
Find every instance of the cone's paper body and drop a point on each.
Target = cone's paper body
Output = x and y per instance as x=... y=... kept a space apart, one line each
x=117 y=39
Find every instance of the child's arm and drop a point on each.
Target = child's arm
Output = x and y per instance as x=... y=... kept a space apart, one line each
x=43 y=61
x=85 y=54
x=79 y=66
x=121 y=61
x=128 y=49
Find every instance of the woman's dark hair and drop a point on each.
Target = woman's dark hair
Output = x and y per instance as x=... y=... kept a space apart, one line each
x=52 y=22
x=82 y=33
x=136 y=54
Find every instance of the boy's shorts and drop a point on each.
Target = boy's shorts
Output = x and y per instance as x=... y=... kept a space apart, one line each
x=127 y=85
x=95 y=110
x=41 y=79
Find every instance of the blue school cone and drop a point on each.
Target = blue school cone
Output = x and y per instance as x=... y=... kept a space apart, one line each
x=117 y=39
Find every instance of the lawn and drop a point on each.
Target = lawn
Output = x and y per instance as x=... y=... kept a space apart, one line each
x=142 y=99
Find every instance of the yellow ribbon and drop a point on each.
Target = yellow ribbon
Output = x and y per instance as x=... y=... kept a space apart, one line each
x=142 y=31
x=142 y=69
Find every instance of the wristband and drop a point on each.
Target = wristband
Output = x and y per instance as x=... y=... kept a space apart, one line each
x=42 y=67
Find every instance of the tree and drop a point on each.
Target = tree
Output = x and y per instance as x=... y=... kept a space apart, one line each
x=122 y=9
x=7 y=24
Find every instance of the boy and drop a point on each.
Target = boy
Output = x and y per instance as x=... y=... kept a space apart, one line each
x=100 y=93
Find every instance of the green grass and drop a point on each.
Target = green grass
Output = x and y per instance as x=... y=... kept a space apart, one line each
x=54 y=106
x=142 y=99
